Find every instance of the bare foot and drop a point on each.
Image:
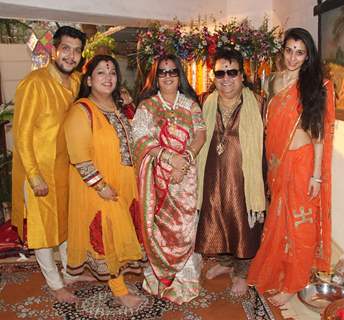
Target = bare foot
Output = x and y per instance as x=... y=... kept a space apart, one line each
x=239 y=286
x=63 y=295
x=217 y=270
x=280 y=298
x=130 y=300
x=81 y=278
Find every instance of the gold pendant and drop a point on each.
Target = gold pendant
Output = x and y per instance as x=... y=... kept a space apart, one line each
x=220 y=148
x=173 y=128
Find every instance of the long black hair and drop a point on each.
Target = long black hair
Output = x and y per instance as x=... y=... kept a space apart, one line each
x=151 y=85
x=85 y=90
x=310 y=84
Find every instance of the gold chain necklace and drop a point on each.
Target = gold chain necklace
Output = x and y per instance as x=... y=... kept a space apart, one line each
x=104 y=108
x=226 y=114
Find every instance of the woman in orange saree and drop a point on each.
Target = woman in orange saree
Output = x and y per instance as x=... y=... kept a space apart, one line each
x=168 y=131
x=299 y=134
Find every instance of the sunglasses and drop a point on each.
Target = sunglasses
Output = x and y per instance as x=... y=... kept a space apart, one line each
x=162 y=73
x=232 y=73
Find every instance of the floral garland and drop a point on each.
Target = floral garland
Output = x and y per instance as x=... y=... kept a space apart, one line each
x=200 y=43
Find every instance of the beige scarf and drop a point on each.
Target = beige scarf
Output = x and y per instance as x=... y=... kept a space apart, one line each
x=251 y=142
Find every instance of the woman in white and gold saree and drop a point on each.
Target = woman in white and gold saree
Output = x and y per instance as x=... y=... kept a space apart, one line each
x=168 y=132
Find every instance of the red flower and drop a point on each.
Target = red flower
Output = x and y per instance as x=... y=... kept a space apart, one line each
x=212 y=49
x=340 y=314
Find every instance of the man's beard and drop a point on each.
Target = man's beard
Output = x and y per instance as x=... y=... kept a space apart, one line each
x=64 y=71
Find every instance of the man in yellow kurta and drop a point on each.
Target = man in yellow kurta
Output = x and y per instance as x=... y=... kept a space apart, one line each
x=40 y=158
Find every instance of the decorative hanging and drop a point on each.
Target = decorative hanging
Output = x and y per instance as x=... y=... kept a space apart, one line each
x=199 y=44
x=47 y=41
x=41 y=49
x=31 y=43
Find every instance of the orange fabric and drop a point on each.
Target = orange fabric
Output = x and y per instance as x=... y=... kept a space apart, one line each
x=41 y=105
x=118 y=244
x=118 y=286
x=297 y=231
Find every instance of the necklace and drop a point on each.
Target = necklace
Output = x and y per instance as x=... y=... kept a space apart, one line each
x=165 y=104
x=171 y=122
x=105 y=108
x=226 y=113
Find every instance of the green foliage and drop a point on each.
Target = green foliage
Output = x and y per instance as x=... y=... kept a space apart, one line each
x=6 y=111
x=96 y=42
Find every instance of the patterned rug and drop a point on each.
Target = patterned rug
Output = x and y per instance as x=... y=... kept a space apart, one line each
x=24 y=295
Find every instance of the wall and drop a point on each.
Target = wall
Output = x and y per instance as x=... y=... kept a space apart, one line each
x=296 y=13
x=254 y=10
x=338 y=185
x=134 y=12
x=15 y=63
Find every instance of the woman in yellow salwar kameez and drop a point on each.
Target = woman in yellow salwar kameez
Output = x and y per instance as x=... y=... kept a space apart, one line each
x=103 y=187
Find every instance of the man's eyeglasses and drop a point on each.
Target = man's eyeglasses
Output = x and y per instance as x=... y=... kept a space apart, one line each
x=232 y=73
x=162 y=73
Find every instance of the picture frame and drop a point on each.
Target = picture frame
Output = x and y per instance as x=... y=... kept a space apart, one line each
x=331 y=45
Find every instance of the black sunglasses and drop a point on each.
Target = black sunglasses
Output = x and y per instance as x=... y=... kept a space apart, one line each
x=162 y=73
x=232 y=73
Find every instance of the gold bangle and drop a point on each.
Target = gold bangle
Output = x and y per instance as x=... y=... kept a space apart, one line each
x=191 y=155
x=193 y=152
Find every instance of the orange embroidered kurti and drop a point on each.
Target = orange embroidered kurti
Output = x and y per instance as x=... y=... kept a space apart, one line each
x=101 y=233
x=297 y=231
x=41 y=103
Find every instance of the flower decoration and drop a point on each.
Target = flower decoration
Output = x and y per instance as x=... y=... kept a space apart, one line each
x=340 y=314
x=96 y=42
x=200 y=43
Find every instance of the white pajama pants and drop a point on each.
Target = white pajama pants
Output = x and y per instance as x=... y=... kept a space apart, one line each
x=46 y=261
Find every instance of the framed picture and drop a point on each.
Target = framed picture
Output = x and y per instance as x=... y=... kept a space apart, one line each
x=331 y=45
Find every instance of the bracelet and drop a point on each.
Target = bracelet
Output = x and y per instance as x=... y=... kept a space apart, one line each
x=316 y=179
x=192 y=150
x=191 y=155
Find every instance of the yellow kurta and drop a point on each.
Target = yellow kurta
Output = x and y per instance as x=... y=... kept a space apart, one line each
x=101 y=145
x=41 y=103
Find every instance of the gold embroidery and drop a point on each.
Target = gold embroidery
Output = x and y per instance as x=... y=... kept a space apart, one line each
x=279 y=207
x=288 y=246
x=303 y=215
x=320 y=250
